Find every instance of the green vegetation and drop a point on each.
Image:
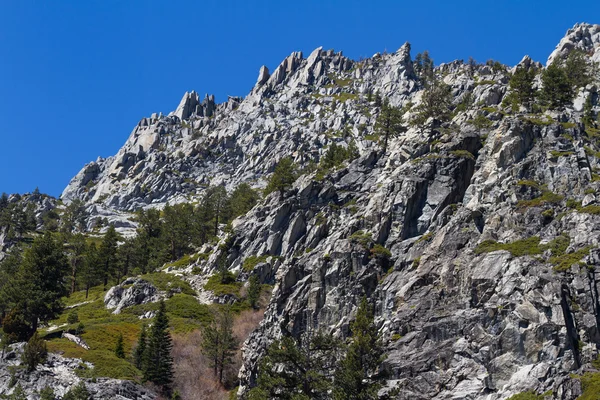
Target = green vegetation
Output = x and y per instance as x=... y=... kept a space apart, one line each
x=521 y=88
x=320 y=366
x=252 y=261
x=436 y=103
x=220 y=288
x=362 y=238
x=546 y=197
x=481 y=122
x=352 y=379
x=557 y=91
x=463 y=154
x=529 y=246
x=334 y=157
x=218 y=342
x=590 y=382
x=560 y=259
x=389 y=123
x=157 y=362
x=423 y=65
x=381 y=252
x=557 y=154
x=283 y=177
x=34 y=353
x=529 y=395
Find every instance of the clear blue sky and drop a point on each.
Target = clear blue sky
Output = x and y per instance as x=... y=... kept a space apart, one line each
x=77 y=75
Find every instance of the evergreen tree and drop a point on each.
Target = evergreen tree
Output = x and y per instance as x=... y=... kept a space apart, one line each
x=283 y=177
x=588 y=111
x=294 y=370
x=119 y=350
x=243 y=198
x=218 y=342
x=521 y=86
x=107 y=254
x=389 y=123
x=34 y=353
x=73 y=217
x=125 y=258
x=436 y=103
x=18 y=393
x=35 y=291
x=254 y=291
x=76 y=254
x=354 y=376
x=577 y=69
x=218 y=201
x=177 y=229
x=77 y=392
x=158 y=361
x=557 y=91
x=91 y=272
x=47 y=394
x=139 y=353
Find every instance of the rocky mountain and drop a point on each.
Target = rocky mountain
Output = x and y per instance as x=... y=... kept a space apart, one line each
x=477 y=240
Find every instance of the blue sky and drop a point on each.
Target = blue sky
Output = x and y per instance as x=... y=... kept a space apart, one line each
x=76 y=76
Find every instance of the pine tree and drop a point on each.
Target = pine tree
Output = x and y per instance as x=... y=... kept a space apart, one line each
x=557 y=91
x=283 y=177
x=76 y=254
x=218 y=201
x=140 y=350
x=588 y=111
x=577 y=69
x=91 y=272
x=18 y=393
x=177 y=229
x=389 y=123
x=436 y=103
x=353 y=378
x=218 y=342
x=108 y=254
x=521 y=86
x=158 y=361
x=243 y=198
x=297 y=369
x=36 y=290
x=254 y=291
x=47 y=393
x=34 y=353
x=77 y=392
x=119 y=350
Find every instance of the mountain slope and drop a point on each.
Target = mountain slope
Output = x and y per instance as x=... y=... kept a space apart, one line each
x=491 y=220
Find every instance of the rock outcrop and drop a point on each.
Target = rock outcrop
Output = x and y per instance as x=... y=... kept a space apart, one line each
x=60 y=374
x=131 y=292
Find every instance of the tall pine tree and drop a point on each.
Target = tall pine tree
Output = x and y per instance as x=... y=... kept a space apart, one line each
x=389 y=123
x=158 y=361
x=354 y=376
x=218 y=342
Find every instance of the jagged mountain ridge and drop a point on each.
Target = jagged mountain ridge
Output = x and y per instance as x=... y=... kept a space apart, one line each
x=471 y=325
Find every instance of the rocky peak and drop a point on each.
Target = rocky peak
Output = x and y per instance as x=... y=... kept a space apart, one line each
x=585 y=37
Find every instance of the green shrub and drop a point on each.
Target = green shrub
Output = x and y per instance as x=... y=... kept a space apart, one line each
x=380 y=251
x=529 y=395
x=529 y=246
x=73 y=318
x=362 y=238
x=463 y=154
x=219 y=289
x=557 y=154
x=252 y=261
x=547 y=197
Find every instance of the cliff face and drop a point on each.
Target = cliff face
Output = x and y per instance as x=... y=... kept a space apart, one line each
x=493 y=227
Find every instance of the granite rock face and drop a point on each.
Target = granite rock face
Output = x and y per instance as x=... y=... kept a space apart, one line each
x=493 y=229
